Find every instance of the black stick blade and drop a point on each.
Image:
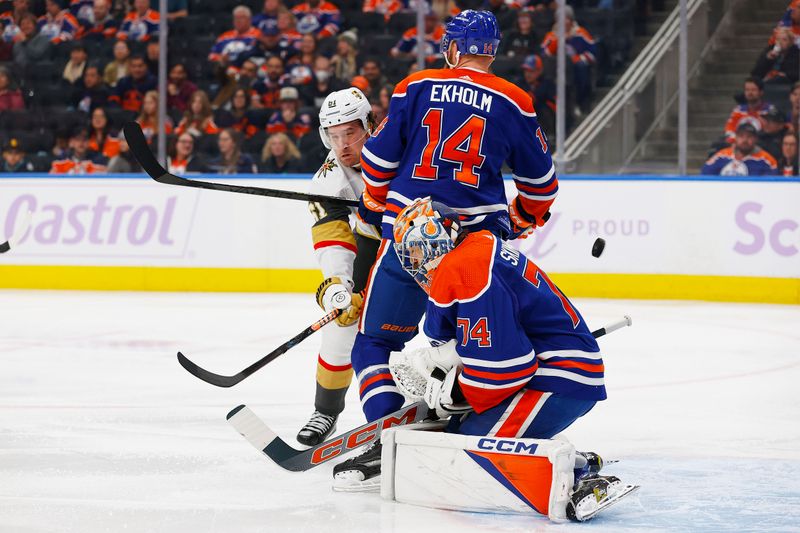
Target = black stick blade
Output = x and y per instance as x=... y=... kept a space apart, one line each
x=137 y=142
x=209 y=377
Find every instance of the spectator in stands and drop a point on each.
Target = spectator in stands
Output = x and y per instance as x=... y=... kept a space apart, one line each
x=14 y=159
x=522 y=41
x=73 y=70
x=581 y=52
x=60 y=148
x=151 y=56
x=504 y=14
x=182 y=159
x=30 y=46
x=131 y=89
x=269 y=87
x=81 y=9
x=790 y=21
x=148 y=118
x=794 y=100
x=362 y=84
x=324 y=83
x=273 y=44
x=92 y=93
x=787 y=162
x=58 y=24
x=101 y=26
x=384 y=97
x=287 y=27
x=770 y=138
x=246 y=78
x=344 y=60
x=371 y=70
x=179 y=88
x=387 y=8
x=231 y=160
x=406 y=47
x=279 y=156
x=175 y=8
x=235 y=46
x=317 y=17
x=237 y=109
x=124 y=162
x=300 y=67
x=307 y=50
x=101 y=140
x=779 y=63
x=287 y=119
x=542 y=91
x=198 y=120
x=141 y=24
x=10 y=20
x=10 y=96
x=268 y=18
x=79 y=159
x=117 y=68
x=744 y=158
x=754 y=107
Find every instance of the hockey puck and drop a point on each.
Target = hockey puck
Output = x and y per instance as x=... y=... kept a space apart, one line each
x=598 y=247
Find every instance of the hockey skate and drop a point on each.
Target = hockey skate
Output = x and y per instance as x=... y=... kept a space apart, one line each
x=595 y=494
x=361 y=473
x=587 y=464
x=317 y=429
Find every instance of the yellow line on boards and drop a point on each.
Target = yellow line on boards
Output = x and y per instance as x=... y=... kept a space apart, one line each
x=634 y=286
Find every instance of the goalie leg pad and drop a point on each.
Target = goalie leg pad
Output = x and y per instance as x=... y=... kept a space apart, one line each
x=479 y=474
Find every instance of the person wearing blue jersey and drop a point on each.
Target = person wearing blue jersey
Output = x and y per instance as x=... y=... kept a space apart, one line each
x=447 y=135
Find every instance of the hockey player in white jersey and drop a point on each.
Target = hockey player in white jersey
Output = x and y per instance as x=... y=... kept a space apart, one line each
x=345 y=251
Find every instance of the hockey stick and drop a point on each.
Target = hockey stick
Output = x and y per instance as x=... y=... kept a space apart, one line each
x=17 y=236
x=626 y=321
x=230 y=381
x=267 y=442
x=257 y=433
x=139 y=148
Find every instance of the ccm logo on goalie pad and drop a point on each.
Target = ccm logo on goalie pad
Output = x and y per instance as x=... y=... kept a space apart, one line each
x=507 y=446
x=359 y=438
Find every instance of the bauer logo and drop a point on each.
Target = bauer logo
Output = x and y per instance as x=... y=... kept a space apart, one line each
x=106 y=222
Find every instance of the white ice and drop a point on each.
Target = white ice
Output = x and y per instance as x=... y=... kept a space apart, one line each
x=102 y=430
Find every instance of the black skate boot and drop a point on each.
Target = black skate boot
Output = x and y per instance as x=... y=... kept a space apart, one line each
x=317 y=429
x=594 y=494
x=587 y=464
x=361 y=473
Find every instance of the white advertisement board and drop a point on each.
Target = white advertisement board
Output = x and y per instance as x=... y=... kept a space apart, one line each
x=735 y=228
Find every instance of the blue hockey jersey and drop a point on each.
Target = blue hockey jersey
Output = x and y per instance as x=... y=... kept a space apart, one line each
x=447 y=135
x=513 y=327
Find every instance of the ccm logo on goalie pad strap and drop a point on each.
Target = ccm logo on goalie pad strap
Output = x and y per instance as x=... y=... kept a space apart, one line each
x=508 y=446
x=359 y=438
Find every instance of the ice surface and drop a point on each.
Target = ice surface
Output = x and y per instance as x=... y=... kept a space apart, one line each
x=102 y=430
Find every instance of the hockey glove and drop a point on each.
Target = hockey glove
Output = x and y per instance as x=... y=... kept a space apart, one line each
x=370 y=210
x=411 y=369
x=522 y=222
x=334 y=293
x=443 y=394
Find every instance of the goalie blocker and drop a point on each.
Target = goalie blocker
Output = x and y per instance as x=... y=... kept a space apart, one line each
x=491 y=474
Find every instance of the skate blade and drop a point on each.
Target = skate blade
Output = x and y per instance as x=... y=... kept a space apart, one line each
x=350 y=484
x=611 y=500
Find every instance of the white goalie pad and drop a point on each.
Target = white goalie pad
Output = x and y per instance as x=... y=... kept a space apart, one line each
x=483 y=474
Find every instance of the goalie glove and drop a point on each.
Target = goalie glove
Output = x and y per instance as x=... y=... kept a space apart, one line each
x=443 y=394
x=334 y=293
x=412 y=369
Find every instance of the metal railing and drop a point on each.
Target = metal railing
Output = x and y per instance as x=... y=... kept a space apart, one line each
x=607 y=140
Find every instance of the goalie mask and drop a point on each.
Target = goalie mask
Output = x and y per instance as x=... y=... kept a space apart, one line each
x=423 y=233
x=341 y=107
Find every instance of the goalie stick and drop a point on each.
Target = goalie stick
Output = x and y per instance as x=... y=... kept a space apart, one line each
x=257 y=433
x=230 y=381
x=141 y=151
x=17 y=236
